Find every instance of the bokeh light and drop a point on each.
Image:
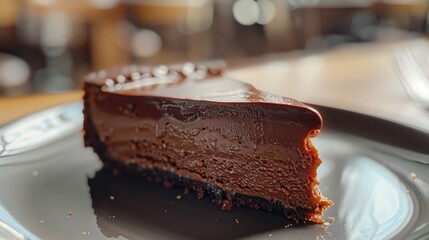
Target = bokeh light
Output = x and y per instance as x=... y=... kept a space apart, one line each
x=267 y=11
x=246 y=12
x=13 y=71
x=145 y=43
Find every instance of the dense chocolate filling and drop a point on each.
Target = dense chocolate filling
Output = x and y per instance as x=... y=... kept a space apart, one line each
x=216 y=131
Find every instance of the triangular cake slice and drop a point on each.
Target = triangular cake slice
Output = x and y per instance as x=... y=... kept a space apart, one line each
x=190 y=126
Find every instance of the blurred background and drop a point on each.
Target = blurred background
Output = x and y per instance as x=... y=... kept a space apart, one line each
x=48 y=45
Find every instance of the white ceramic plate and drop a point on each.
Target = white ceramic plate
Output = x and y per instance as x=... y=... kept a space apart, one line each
x=51 y=187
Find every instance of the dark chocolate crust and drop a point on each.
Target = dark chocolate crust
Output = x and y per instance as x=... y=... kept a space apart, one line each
x=219 y=196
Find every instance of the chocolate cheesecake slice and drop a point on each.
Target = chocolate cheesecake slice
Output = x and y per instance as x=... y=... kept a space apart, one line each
x=190 y=126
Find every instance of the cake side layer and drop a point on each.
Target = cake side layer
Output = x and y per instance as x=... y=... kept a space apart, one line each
x=147 y=148
x=220 y=196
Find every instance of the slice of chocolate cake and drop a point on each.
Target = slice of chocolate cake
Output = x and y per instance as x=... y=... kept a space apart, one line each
x=191 y=126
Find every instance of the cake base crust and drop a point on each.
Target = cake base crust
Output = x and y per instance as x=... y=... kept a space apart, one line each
x=221 y=197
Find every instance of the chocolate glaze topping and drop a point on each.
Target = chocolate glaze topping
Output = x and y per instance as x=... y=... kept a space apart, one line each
x=193 y=121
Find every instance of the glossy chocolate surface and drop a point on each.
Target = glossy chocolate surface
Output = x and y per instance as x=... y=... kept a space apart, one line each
x=194 y=122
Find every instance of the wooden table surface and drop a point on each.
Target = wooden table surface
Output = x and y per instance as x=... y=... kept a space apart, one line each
x=359 y=77
x=14 y=107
